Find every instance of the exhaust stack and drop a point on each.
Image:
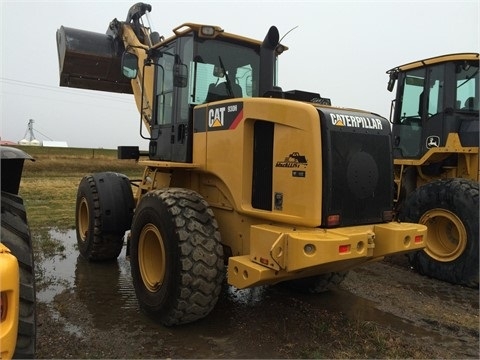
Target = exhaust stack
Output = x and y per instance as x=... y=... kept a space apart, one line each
x=267 y=60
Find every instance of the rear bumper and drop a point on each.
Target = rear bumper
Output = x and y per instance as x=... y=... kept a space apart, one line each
x=278 y=253
x=9 y=288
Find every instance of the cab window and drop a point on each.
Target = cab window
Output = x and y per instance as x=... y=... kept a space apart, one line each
x=466 y=97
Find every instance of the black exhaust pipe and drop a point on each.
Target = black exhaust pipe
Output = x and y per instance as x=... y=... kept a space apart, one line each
x=267 y=60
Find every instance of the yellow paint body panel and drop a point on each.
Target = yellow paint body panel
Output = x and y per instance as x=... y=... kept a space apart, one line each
x=228 y=156
x=9 y=286
x=278 y=253
x=467 y=166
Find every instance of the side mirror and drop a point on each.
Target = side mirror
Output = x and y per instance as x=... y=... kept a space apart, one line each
x=391 y=81
x=129 y=65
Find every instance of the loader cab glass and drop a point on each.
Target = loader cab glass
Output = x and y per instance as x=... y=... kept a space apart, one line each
x=129 y=65
x=190 y=71
x=432 y=102
x=466 y=97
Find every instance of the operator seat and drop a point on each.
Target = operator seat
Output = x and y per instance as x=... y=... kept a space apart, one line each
x=469 y=104
x=219 y=91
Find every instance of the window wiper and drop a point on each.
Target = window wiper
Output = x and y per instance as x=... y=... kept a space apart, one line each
x=227 y=78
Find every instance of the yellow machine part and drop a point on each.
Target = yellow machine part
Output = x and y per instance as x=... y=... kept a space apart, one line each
x=278 y=254
x=9 y=302
x=467 y=168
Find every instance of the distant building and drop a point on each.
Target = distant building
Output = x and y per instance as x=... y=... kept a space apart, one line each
x=33 y=142
x=55 y=143
x=7 y=143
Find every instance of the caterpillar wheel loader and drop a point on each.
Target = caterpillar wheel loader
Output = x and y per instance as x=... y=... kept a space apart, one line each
x=240 y=178
x=17 y=276
x=435 y=125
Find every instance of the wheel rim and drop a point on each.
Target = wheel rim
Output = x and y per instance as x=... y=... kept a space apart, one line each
x=151 y=257
x=446 y=237
x=83 y=219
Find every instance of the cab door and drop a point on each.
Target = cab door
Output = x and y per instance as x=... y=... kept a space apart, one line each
x=171 y=128
x=162 y=130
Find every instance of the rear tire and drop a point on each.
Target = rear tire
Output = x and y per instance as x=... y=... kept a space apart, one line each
x=16 y=236
x=176 y=257
x=104 y=211
x=449 y=208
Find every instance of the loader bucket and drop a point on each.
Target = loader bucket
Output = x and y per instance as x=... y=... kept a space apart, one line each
x=89 y=60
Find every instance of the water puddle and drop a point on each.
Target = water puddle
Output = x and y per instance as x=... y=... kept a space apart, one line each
x=104 y=302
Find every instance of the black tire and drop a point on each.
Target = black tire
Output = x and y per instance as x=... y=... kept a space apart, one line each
x=316 y=284
x=104 y=211
x=449 y=208
x=176 y=256
x=16 y=236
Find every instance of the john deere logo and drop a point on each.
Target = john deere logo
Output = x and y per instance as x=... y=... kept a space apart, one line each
x=433 y=142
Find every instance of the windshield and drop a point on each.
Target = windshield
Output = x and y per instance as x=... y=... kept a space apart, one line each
x=222 y=70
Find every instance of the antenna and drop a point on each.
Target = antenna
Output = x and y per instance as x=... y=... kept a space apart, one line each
x=288 y=32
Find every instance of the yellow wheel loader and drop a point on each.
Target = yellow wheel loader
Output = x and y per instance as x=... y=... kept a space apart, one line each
x=435 y=147
x=17 y=277
x=276 y=186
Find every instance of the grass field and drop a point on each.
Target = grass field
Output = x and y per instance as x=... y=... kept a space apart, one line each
x=49 y=184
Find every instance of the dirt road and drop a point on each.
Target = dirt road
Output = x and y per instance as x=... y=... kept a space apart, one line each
x=381 y=310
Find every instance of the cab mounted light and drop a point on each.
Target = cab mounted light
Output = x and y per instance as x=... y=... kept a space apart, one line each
x=207 y=31
x=203 y=31
x=280 y=49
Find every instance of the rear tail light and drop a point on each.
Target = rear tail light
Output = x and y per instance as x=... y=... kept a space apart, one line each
x=418 y=239
x=333 y=220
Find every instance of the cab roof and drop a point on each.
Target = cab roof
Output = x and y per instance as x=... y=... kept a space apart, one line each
x=435 y=60
x=208 y=31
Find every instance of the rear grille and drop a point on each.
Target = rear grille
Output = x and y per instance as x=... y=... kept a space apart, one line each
x=357 y=174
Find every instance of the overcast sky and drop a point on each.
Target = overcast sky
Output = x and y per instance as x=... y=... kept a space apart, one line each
x=340 y=49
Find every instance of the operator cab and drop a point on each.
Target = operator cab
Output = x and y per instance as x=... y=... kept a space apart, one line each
x=193 y=68
x=435 y=97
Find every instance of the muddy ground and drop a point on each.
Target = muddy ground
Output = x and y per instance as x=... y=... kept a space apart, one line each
x=381 y=310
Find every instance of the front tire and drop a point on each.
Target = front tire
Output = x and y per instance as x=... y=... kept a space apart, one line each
x=449 y=208
x=104 y=211
x=16 y=236
x=176 y=257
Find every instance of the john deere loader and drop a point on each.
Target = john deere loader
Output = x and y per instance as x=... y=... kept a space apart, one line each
x=240 y=178
x=435 y=147
x=17 y=277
